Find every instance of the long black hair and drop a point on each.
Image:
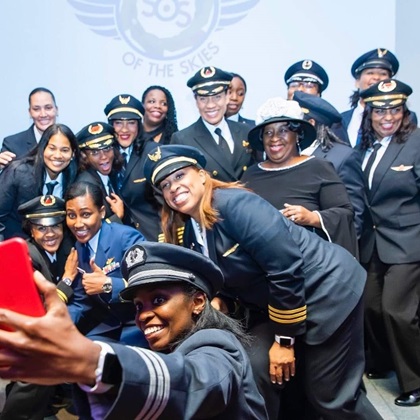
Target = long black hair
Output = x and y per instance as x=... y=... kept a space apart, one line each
x=212 y=318
x=401 y=135
x=36 y=156
x=170 y=123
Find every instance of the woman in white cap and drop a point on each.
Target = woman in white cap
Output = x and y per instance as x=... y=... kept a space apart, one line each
x=199 y=368
x=306 y=189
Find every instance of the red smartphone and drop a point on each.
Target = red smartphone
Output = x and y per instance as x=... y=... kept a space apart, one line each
x=18 y=289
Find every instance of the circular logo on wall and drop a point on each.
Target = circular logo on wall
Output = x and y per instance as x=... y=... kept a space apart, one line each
x=161 y=29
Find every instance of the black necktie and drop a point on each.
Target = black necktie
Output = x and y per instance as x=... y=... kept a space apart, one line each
x=121 y=174
x=222 y=141
x=50 y=187
x=370 y=162
x=110 y=189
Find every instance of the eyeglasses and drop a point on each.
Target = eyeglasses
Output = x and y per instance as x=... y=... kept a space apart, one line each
x=380 y=112
x=99 y=152
x=307 y=85
x=206 y=99
x=43 y=229
x=270 y=133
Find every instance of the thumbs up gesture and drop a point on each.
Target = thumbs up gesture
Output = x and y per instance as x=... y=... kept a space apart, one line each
x=93 y=282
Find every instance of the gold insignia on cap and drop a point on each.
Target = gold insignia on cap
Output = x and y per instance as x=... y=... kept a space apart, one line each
x=387 y=86
x=381 y=53
x=123 y=100
x=207 y=72
x=47 y=200
x=95 y=129
x=245 y=143
x=307 y=64
x=155 y=156
x=135 y=256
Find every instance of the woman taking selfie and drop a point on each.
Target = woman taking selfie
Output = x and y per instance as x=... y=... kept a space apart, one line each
x=290 y=283
x=199 y=369
x=48 y=169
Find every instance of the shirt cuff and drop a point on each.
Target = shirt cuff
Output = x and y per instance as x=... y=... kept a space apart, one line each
x=99 y=387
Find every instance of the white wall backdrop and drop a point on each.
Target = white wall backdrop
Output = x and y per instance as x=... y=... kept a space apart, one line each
x=87 y=51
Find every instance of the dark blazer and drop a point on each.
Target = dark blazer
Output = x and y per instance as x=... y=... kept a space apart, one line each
x=392 y=218
x=142 y=208
x=306 y=285
x=218 y=164
x=20 y=143
x=207 y=376
x=348 y=164
x=243 y=120
x=17 y=186
x=101 y=313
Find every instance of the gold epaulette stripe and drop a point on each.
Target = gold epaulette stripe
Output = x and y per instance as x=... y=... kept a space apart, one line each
x=288 y=321
x=231 y=250
x=62 y=296
x=161 y=237
x=286 y=311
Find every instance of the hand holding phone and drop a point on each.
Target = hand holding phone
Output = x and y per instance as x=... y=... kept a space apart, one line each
x=18 y=290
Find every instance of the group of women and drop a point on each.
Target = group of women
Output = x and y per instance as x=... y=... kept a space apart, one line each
x=301 y=298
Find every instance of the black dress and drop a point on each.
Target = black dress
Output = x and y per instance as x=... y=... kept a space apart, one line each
x=313 y=184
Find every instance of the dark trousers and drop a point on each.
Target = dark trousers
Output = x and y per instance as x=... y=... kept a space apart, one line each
x=26 y=401
x=331 y=377
x=392 y=297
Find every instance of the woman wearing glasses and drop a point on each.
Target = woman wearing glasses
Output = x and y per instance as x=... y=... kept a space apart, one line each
x=389 y=243
x=99 y=157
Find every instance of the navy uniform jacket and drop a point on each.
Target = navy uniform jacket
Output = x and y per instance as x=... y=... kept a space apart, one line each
x=207 y=376
x=20 y=143
x=306 y=284
x=244 y=120
x=17 y=186
x=348 y=164
x=96 y=314
x=142 y=209
x=218 y=165
x=392 y=219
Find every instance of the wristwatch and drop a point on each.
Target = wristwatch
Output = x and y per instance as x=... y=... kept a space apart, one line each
x=67 y=281
x=107 y=286
x=284 y=341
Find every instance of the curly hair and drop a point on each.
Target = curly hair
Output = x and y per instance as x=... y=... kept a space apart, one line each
x=170 y=123
x=400 y=136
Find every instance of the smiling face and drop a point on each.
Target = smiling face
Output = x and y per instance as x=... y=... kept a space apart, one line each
x=48 y=237
x=84 y=218
x=212 y=108
x=369 y=77
x=156 y=108
x=165 y=313
x=386 y=122
x=279 y=144
x=237 y=93
x=42 y=110
x=100 y=159
x=126 y=131
x=57 y=154
x=184 y=189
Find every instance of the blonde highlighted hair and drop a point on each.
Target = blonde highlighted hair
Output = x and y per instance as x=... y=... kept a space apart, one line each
x=173 y=220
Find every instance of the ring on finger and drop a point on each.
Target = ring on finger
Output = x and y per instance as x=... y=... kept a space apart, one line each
x=293 y=218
